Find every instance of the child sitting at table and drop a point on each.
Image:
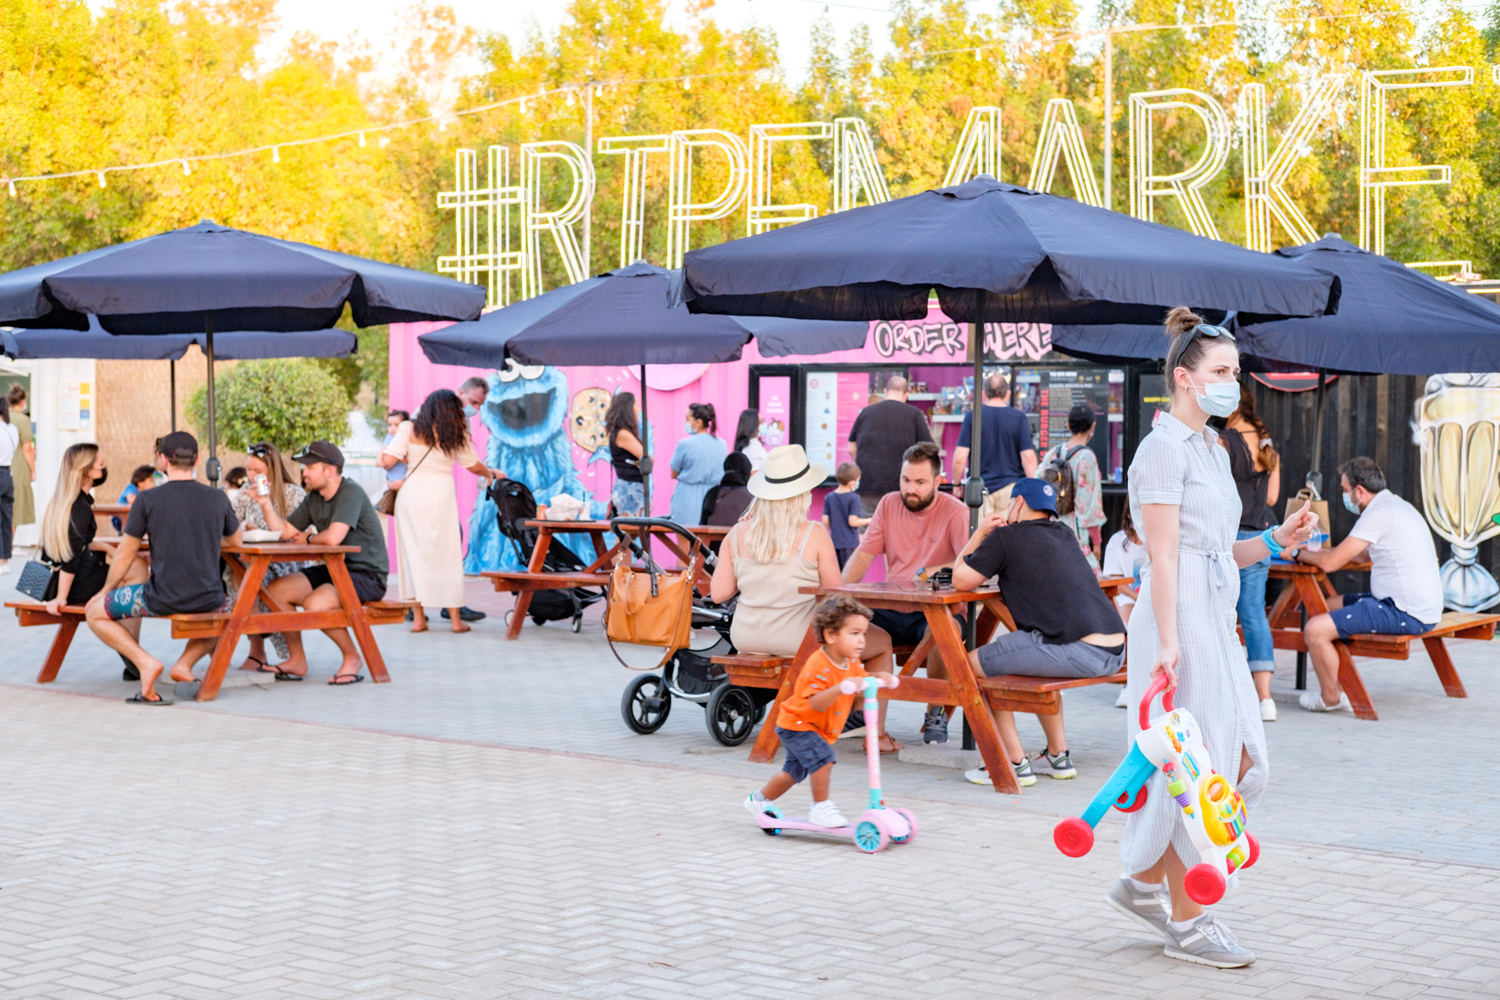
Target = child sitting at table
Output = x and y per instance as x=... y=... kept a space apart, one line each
x=812 y=718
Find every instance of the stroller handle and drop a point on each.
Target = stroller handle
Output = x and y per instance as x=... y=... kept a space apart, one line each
x=652 y=522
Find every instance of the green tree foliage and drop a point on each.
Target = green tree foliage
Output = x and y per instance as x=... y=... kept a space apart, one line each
x=287 y=402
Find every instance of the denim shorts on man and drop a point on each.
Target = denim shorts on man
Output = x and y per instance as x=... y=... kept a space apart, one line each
x=806 y=751
x=1365 y=613
x=1026 y=654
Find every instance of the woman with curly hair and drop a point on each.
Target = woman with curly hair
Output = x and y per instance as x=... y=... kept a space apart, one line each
x=427 y=534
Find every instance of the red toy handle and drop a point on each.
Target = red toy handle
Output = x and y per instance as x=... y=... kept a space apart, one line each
x=1158 y=686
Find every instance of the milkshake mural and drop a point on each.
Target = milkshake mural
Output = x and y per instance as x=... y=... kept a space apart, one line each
x=1458 y=429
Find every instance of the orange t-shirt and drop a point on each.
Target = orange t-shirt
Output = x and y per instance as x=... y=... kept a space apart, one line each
x=819 y=674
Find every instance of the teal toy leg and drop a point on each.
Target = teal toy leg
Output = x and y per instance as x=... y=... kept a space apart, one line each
x=1133 y=773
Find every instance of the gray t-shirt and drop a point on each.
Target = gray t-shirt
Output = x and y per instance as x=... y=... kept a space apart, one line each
x=350 y=505
x=185 y=521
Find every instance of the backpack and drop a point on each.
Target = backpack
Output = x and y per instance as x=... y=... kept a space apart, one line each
x=1059 y=473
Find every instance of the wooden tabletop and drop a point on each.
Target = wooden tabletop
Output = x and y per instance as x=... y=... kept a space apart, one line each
x=1287 y=569
x=286 y=551
x=702 y=530
x=111 y=508
x=894 y=594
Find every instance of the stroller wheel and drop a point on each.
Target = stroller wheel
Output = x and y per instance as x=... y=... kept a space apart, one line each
x=731 y=714
x=577 y=624
x=645 y=704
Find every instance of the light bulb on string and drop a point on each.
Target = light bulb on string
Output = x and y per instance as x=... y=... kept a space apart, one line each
x=570 y=98
x=101 y=178
x=687 y=83
x=1312 y=26
x=523 y=105
x=275 y=154
x=442 y=125
x=361 y=139
x=12 y=189
x=187 y=171
x=976 y=55
x=900 y=23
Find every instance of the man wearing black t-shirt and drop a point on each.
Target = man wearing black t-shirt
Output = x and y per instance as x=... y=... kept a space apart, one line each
x=187 y=522
x=879 y=438
x=1065 y=626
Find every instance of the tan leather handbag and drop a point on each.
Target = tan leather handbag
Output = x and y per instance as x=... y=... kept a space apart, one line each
x=650 y=606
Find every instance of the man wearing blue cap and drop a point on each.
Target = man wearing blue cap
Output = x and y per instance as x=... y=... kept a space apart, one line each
x=1065 y=626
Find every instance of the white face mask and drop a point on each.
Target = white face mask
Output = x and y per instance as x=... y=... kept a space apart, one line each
x=1218 y=399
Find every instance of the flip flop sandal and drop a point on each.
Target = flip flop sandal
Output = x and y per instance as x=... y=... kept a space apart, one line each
x=264 y=668
x=282 y=675
x=344 y=680
x=136 y=699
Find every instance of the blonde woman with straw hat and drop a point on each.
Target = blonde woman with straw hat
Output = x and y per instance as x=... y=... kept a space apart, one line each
x=772 y=553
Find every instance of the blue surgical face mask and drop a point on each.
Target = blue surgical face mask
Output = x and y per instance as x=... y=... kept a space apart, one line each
x=1351 y=506
x=470 y=411
x=1218 y=399
x=688 y=426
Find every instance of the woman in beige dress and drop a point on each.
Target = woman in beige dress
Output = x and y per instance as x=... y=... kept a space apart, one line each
x=427 y=527
x=773 y=552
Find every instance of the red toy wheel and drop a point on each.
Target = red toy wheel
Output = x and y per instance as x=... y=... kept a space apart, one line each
x=1254 y=851
x=1073 y=837
x=1204 y=884
x=1130 y=807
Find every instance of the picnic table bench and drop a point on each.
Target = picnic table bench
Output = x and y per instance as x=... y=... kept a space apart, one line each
x=1308 y=589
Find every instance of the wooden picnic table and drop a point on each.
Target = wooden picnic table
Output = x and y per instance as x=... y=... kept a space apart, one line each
x=248 y=563
x=1306 y=596
x=596 y=574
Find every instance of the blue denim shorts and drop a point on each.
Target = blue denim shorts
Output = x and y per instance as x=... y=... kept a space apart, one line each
x=1363 y=613
x=806 y=752
x=629 y=498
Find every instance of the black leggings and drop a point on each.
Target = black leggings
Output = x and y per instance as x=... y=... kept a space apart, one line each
x=7 y=511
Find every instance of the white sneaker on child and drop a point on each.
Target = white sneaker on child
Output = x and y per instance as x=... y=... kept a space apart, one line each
x=756 y=807
x=826 y=814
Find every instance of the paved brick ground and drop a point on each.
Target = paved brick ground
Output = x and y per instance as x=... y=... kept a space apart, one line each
x=301 y=842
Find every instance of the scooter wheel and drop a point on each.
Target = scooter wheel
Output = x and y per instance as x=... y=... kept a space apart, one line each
x=645 y=704
x=1204 y=884
x=1125 y=805
x=771 y=831
x=1254 y=852
x=911 y=822
x=871 y=835
x=1073 y=837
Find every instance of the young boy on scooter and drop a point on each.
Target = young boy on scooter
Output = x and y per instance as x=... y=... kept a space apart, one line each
x=812 y=718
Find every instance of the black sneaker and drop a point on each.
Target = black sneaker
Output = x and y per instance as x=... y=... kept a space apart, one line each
x=854 y=725
x=467 y=614
x=935 y=726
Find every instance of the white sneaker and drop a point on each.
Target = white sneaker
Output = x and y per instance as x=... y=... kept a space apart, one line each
x=827 y=815
x=1122 y=701
x=756 y=807
x=1313 y=702
x=1268 y=710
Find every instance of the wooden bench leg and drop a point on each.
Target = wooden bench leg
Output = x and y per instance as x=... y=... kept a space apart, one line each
x=966 y=692
x=1354 y=685
x=58 y=650
x=338 y=571
x=244 y=607
x=518 y=616
x=767 y=743
x=1438 y=653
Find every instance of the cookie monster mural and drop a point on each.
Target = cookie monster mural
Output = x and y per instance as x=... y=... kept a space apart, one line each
x=527 y=417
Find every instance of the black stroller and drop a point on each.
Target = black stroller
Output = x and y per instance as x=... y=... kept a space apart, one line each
x=514 y=506
x=688 y=673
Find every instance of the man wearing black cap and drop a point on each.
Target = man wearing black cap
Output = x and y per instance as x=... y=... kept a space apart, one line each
x=1065 y=626
x=339 y=512
x=187 y=522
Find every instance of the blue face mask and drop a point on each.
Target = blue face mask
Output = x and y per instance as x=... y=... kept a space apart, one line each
x=688 y=427
x=470 y=411
x=1351 y=506
x=1218 y=399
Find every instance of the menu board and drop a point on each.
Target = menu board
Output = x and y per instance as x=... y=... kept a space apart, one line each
x=1046 y=395
x=832 y=401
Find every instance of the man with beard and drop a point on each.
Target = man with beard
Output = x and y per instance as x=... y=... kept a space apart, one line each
x=919 y=530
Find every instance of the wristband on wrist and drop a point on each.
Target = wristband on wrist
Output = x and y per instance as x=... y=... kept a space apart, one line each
x=1270 y=541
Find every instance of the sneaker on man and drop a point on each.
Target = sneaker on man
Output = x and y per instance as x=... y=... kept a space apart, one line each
x=1268 y=710
x=1024 y=776
x=1151 y=910
x=1122 y=701
x=1060 y=766
x=756 y=807
x=854 y=725
x=1313 y=702
x=935 y=726
x=826 y=815
x=1207 y=942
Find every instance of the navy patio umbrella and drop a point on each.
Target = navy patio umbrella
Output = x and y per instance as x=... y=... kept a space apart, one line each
x=624 y=318
x=210 y=278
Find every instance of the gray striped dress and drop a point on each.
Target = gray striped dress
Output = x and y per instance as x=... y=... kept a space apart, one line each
x=1173 y=465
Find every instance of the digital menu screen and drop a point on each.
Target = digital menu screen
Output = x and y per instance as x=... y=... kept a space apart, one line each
x=1046 y=395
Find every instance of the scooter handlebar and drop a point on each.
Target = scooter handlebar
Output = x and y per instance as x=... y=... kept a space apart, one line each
x=850 y=685
x=1157 y=686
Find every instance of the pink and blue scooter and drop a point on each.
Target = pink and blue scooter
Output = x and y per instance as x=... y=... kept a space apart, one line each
x=879 y=825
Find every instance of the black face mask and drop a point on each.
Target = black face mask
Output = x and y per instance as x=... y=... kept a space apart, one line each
x=102 y=476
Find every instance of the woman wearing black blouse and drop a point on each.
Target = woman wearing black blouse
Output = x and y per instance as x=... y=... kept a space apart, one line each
x=68 y=528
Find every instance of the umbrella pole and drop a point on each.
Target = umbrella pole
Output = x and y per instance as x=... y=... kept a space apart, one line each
x=172 y=390
x=974 y=488
x=645 y=446
x=212 y=467
x=1315 y=474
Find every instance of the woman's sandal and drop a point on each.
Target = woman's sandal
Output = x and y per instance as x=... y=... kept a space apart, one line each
x=138 y=699
x=264 y=668
x=344 y=680
x=894 y=746
x=282 y=675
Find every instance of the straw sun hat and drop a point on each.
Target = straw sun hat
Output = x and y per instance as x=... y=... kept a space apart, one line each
x=786 y=474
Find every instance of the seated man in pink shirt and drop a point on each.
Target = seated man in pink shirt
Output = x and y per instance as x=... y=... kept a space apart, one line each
x=919 y=530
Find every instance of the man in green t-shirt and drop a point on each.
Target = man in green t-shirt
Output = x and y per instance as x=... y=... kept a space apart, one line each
x=335 y=512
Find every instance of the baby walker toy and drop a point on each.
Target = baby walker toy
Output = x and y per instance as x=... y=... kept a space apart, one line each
x=879 y=825
x=1211 y=808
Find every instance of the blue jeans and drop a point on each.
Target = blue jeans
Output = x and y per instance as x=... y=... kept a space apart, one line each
x=1252 y=611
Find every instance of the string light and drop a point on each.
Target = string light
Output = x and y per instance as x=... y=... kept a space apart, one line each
x=442 y=125
x=361 y=139
x=187 y=171
x=570 y=98
x=1312 y=26
x=523 y=105
x=976 y=55
x=275 y=154
x=900 y=24
x=687 y=83
x=12 y=189
x=101 y=178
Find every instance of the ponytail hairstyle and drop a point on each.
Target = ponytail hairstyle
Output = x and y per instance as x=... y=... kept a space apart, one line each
x=1191 y=339
x=1267 y=449
x=58 y=517
x=704 y=413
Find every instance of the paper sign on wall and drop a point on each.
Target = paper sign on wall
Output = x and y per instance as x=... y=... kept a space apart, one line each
x=75 y=410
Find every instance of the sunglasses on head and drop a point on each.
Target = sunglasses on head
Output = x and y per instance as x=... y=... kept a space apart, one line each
x=259 y=450
x=1207 y=332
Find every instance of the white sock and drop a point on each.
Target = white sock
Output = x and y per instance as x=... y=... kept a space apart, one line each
x=758 y=797
x=1181 y=925
x=1144 y=886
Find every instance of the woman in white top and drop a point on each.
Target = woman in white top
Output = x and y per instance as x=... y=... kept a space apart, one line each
x=767 y=557
x=1183 y=496
x=427 y=535
x=747 y=439
x=10 y=440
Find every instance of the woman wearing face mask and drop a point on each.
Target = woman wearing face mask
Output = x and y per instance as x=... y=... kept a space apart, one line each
x=697 y=463
x=68 y=528
x=1183 y=496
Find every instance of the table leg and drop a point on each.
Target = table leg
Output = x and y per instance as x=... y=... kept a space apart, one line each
x=918 y=656
x=56 y=652
x=523 y=597
x=950 y=645
x=1354 y=685
x=1314 y=601
x=766 y=744
x=1437 y=651
x=354 y=609
x=239 y=615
